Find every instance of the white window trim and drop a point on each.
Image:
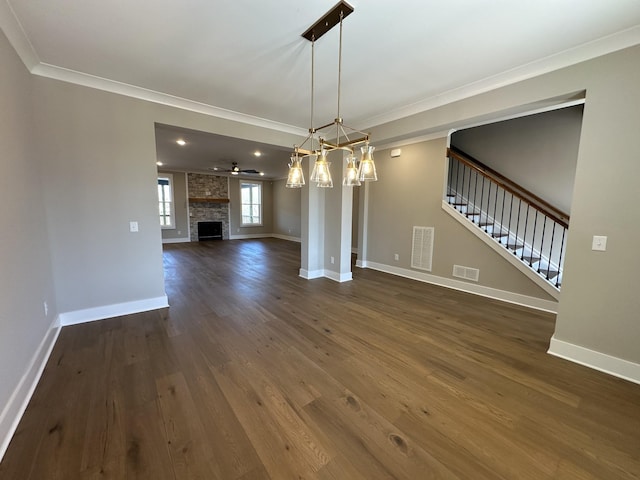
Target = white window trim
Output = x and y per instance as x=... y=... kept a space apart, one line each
x=253 y=182
x=172 y=206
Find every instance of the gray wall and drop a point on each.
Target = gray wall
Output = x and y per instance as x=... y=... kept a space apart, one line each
x=26 y=280
x=180 y=207
x=408 y=193
x=539 y=152
x=600 y=304
x=286 y=209
x=99 y=152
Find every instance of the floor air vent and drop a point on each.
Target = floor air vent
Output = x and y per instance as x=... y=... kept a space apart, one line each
x=467 y=273
x=422 y=248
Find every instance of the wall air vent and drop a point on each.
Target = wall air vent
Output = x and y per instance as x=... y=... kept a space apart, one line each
x=467 y=273
x=422 y=248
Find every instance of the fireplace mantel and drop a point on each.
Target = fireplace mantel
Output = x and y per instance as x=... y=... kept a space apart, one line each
x=208 y=200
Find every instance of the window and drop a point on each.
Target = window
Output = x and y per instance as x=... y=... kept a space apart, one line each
x=165 y=200
x=251 y=199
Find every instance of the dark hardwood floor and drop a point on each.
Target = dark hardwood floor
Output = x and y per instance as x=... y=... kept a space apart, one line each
x=255 y=373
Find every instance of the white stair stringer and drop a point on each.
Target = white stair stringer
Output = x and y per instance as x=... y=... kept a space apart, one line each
x=498 y=245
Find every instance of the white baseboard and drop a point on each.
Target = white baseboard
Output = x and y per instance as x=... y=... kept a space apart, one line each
x=110 y=311
x=311 y=274
x=14 y=409
x=286 y=237
x=361 y=263
x=249 y=236
x=338 y=277
x=598 y=361
x=176 y=240
x=510 y=297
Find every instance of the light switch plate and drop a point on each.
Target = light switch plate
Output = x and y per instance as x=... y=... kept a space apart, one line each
x=133 y=227
x=599 y=243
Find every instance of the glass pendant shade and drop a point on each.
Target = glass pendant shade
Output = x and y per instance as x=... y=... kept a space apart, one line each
x=351 y=175
x=295 y=179
x=321 y=173
x=367 y=169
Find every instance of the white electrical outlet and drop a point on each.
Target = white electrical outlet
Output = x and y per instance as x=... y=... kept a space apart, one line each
x=333 y=260
x=133 y=227
x=46 y=308
x=396 y=257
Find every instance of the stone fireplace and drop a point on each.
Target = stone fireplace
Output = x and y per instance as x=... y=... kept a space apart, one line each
x=208 y=202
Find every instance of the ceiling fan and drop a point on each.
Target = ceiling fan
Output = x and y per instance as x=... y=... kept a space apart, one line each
x=235 y=170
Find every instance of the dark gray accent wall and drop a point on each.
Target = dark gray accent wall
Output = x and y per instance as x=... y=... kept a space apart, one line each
x=539 y=152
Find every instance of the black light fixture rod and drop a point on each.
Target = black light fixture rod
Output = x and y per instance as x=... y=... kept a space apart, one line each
x=330 y=19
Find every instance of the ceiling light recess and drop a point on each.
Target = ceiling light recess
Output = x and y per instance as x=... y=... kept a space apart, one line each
x=356 y=172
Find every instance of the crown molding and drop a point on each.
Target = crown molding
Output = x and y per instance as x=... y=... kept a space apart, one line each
x=14 y=31
x=16 y=35
x=587 y=51
x=99 y=83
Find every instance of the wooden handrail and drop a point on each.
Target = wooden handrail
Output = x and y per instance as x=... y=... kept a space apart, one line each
x=510 y=186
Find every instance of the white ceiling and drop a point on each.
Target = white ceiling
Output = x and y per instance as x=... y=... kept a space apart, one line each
x=246 y=60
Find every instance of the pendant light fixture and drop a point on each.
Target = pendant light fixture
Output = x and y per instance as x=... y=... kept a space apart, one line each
x=356 y=172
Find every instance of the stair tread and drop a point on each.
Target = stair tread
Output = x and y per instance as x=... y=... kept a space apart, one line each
x=547 y=272
x=531 y=258
x=499 y=234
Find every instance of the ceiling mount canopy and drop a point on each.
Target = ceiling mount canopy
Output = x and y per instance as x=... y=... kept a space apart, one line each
x=330 y=20
x=356 y=172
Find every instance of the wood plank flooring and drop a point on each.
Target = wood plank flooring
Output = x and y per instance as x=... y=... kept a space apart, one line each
x=255 y=373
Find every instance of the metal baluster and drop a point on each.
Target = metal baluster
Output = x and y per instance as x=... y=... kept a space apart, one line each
x=495 y=206
x=457 y=179
x=450 y=179
x=524 y=235
x=469 y=189
x=533 y=240
x=511 y=215
x=481 y=203
x=475 y=193
x=504 y=196
x=518 y=225
x=544 y=228
x=553 y=234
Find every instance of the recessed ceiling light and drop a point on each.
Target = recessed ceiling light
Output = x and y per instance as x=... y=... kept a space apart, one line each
x=159 y=164
x=181 y=142
x=257 y=153
x=262 y=174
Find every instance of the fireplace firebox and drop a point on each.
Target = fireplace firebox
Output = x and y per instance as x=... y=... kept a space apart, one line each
x=209 y=231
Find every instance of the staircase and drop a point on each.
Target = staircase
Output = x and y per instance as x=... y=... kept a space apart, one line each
x=528 y=227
